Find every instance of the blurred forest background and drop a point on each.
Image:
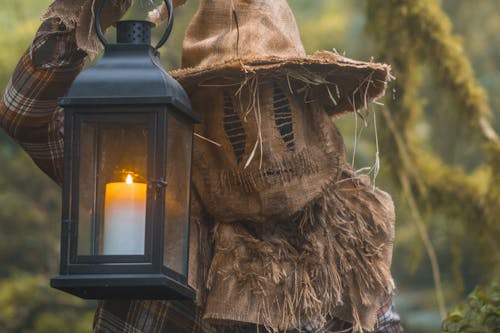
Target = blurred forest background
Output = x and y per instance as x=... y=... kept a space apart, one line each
x=440 y=159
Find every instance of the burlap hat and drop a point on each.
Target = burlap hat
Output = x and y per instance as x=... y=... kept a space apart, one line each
x=229 y=40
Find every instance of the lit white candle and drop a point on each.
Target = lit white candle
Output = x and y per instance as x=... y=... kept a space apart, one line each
x=124 y=218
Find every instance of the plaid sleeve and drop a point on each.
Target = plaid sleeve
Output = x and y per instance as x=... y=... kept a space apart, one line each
x=150 y=316
x=388 y=321
x=186 y=317
x=28 y=109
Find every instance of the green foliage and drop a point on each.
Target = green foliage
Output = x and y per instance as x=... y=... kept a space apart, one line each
x=412 y=34
x=18 y=22
x=29 y=215
x=450 y=170
x=28 y=304
x=480 y=313
x=478 y=23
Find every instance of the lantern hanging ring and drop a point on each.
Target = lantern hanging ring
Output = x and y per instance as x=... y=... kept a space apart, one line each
x=166 y=34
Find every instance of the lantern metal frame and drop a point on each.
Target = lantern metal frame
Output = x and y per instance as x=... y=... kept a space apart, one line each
x=127 y=86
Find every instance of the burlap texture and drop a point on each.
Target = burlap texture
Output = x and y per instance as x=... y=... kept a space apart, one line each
x=331 y=260
x=160 y=13
x=298 y=238
x=228 y=40
x=79 y=15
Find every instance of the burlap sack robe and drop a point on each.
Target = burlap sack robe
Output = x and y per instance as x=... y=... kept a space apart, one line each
x=298 y=238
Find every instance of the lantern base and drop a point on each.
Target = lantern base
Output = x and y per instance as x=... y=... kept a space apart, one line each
x=123 y=286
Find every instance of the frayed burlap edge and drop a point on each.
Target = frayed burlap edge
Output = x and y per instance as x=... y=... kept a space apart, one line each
x=340 y=84
x=332 y=260
x=79 y=15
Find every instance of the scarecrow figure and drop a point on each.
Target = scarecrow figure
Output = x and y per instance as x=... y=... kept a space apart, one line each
x=285 y=235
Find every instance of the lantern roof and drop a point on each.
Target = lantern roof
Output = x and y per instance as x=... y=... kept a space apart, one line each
x=127 y=74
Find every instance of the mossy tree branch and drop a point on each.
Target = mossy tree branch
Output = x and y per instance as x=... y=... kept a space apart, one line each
x=411 y=33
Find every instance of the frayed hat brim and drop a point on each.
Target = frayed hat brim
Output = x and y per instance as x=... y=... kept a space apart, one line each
x=339 y=84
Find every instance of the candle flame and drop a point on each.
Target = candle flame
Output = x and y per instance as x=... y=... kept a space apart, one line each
x=129 y=179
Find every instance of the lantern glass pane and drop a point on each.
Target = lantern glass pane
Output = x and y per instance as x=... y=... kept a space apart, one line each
x=112 y=188
x=179 y=151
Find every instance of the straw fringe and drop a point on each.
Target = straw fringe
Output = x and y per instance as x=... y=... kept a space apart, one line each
x=69 y=14
x=332 y=259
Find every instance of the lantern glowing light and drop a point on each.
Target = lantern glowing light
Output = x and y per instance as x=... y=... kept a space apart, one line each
x=124 y=218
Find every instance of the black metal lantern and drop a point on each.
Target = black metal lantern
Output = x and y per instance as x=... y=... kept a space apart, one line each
x=126 y=197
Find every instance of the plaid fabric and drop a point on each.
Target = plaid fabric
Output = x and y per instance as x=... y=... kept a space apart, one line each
x=185 y=317
x=29 y=111
x=29 y=114
x=388 y=320
x=150 y=316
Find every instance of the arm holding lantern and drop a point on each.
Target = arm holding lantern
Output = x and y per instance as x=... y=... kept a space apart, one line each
x=28 y=110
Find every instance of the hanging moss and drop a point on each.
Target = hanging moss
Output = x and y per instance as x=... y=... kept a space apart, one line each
x=411 y=33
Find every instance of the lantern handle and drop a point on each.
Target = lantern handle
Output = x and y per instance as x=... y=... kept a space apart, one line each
x=166 y=34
